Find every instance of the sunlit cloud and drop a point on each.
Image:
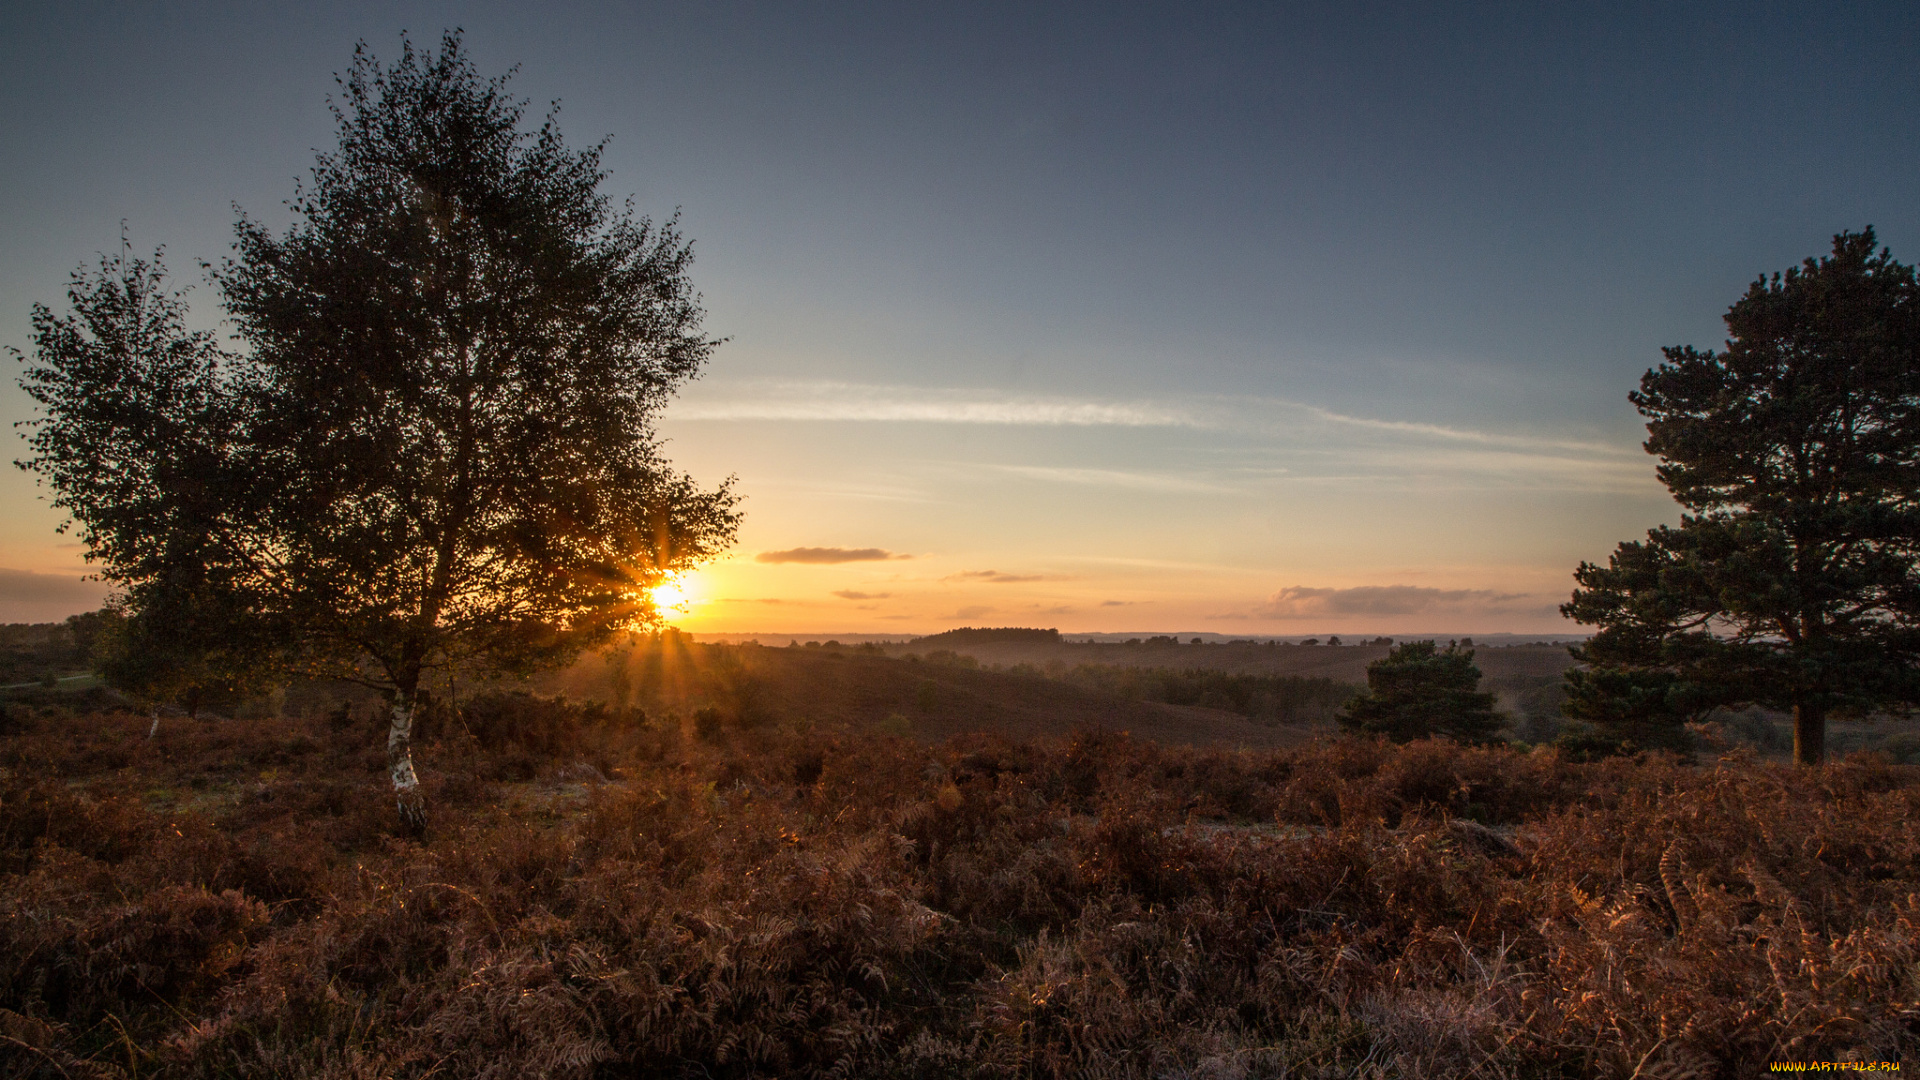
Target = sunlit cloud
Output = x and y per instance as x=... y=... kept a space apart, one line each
x=823 y=556
x=973 y=612
x=995 y=577
x=850 y=594
x=1303 y=602
x=831 y=401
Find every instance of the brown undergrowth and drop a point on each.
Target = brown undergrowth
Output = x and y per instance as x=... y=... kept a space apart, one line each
x=599 y=898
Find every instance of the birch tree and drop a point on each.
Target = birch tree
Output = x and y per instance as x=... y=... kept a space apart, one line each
x=434 y=443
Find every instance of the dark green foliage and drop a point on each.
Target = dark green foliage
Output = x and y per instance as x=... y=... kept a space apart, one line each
x=1793 y=580
x=1269 y=699
x=1623 y=710
x=1419 y=691
x=139 y=441
x=30 y=651
x=138 y=433
x=184 y=647
x=500 y=721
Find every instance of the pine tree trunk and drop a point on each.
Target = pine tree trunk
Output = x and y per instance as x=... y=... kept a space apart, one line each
x=1809 y=734
x=406 y=783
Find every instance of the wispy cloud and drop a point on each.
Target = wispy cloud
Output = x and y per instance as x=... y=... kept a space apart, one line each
x=850 y=594
x=994 y=577
x=1303 y=602
x=973 y=612
x=1468 y=435
x=29 y=587
x=27 y=596
x=829 y=401
x=1118 y=478
x=825 y=556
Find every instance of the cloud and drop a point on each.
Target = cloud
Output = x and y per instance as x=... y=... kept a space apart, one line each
x=849 y=594
x=1115 y=603
x=818 y=401
x=27 y=596
x=821 y=556
x=1453 y=434
x=1302 y=602
x=994 y=577
x=749 y=600
x=973 y=612
x=1116 y=478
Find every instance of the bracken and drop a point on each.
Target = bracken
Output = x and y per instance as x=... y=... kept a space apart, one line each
x=230 y=899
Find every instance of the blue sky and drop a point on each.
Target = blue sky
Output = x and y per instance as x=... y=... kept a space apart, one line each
x=1257 y=318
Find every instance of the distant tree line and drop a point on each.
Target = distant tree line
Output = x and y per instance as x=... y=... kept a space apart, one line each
x=32 y=652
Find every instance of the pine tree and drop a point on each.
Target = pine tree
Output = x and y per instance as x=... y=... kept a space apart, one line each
x=1793 y=579
x=1420 y=691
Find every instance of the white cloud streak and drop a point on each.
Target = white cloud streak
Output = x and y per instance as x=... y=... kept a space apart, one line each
x=1118 y=478
x=826 y=401
x=1452 y=434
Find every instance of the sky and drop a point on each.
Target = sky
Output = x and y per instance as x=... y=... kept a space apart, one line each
x=1252 y=319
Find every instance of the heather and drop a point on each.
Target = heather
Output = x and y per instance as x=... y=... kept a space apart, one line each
x=605 y=894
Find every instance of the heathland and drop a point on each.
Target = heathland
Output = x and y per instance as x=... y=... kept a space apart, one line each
x=734 y=861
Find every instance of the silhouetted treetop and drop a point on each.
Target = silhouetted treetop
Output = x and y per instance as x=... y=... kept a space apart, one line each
x=1794 y=579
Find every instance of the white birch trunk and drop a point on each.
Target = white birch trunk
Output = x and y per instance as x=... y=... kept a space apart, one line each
x=406 y=783
x=155 y=729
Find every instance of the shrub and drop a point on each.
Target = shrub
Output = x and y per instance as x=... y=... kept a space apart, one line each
x=1418 y=691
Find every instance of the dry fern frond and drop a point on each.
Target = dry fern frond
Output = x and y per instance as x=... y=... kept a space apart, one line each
x=1673 y=875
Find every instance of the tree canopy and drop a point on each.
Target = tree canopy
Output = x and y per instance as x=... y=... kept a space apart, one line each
x=1791 y=580
x=435 y=443
x=1419 y=691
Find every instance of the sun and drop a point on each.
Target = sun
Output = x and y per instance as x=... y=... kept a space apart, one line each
x=670 y=595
